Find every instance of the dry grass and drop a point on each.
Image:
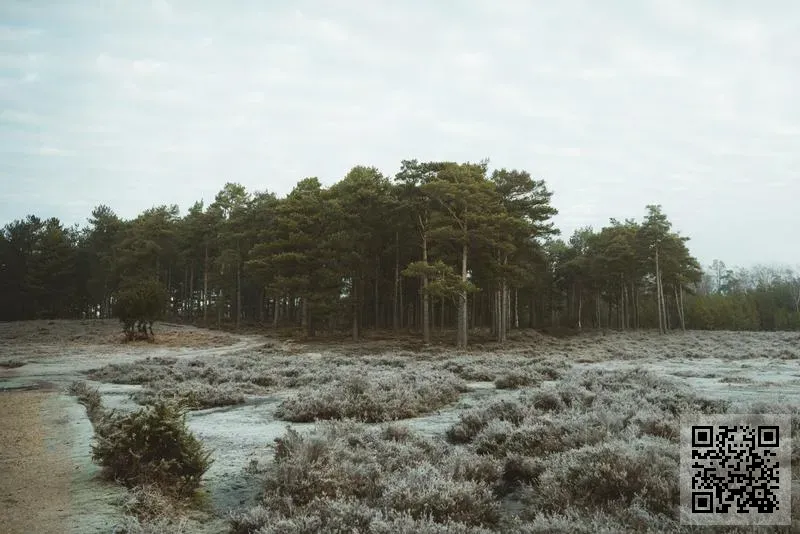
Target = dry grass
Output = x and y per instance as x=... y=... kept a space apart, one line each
x=103 y=332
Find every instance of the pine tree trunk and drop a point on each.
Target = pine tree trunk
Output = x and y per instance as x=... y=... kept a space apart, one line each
x=426 y=322
x=621 y=312
x=532 y=314
x=495 y=315
x=400 y=313
x=396 y=313
x=658 y=296
x=679 y=306
x=597 y=305
x=238 y=293
x=474 y=312
x=220 y=303
x=191 y=291
x=507 y=302
x=516 y=308
x=462 y=302
x=205 y=288
x=356 y=314
x=276 y=312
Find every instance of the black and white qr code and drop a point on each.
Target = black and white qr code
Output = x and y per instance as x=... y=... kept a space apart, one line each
x=736 y=469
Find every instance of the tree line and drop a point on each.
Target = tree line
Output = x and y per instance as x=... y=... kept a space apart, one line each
x=440 y=245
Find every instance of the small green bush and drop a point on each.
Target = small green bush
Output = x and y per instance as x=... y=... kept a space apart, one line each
x=151 y=446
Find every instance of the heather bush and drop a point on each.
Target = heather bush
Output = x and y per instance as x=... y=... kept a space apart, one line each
x=473 y=467
x=151 y=446
x=335 y=516
x=424 y=491
x=347 y=475
x=543 y=435
x=516 y=379
x=472 y=422
x=609 y=475
x=374 y=398
x=192 y=395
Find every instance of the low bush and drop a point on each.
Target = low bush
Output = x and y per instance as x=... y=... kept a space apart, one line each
x=345 y=476
x=192 y=395
x=611 y=475
x=151 y=446
x=515 y=380
x=471 y=423
x=374 y=398
x=424 y=491
x=335 y=516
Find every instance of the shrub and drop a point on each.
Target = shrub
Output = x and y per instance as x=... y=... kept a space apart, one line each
x=423 y=491
x=610 y=475
x=373 y=399
x=138 y=305
x=192 y=395
x=471 y=423
x=151 y=446
x=514 y=380
x=335 y=516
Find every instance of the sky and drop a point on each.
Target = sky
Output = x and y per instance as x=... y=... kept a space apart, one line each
x=691 y=104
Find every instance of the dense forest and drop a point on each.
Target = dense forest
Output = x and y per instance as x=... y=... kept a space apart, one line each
x=441 y=245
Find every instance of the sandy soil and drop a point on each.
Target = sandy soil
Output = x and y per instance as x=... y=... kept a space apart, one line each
x=33 y=473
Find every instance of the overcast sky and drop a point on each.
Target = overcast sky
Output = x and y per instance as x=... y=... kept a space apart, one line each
x=688 y=103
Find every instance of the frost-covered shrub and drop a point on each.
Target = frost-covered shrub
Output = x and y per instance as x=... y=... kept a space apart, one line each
x=375 y=398
x=546 y=399
x=90 y=398
x=471 y=423
x=345 y=475
x=151 y=446
x=471 y=466
x=150 y=369
x=516 y=379
x=423 y=491
x=612 y=474
x=193 y=395
x=335 y=516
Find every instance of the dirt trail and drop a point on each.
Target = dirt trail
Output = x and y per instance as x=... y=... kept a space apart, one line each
x=35 y=476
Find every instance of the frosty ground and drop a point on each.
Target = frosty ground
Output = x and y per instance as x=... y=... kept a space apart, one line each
x=479 y=423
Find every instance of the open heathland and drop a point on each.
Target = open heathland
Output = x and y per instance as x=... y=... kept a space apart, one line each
x=543 y=434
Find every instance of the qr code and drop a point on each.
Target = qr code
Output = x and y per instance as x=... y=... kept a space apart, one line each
x=736 y=469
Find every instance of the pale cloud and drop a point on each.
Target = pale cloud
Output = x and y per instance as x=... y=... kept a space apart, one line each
x=688 y=104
